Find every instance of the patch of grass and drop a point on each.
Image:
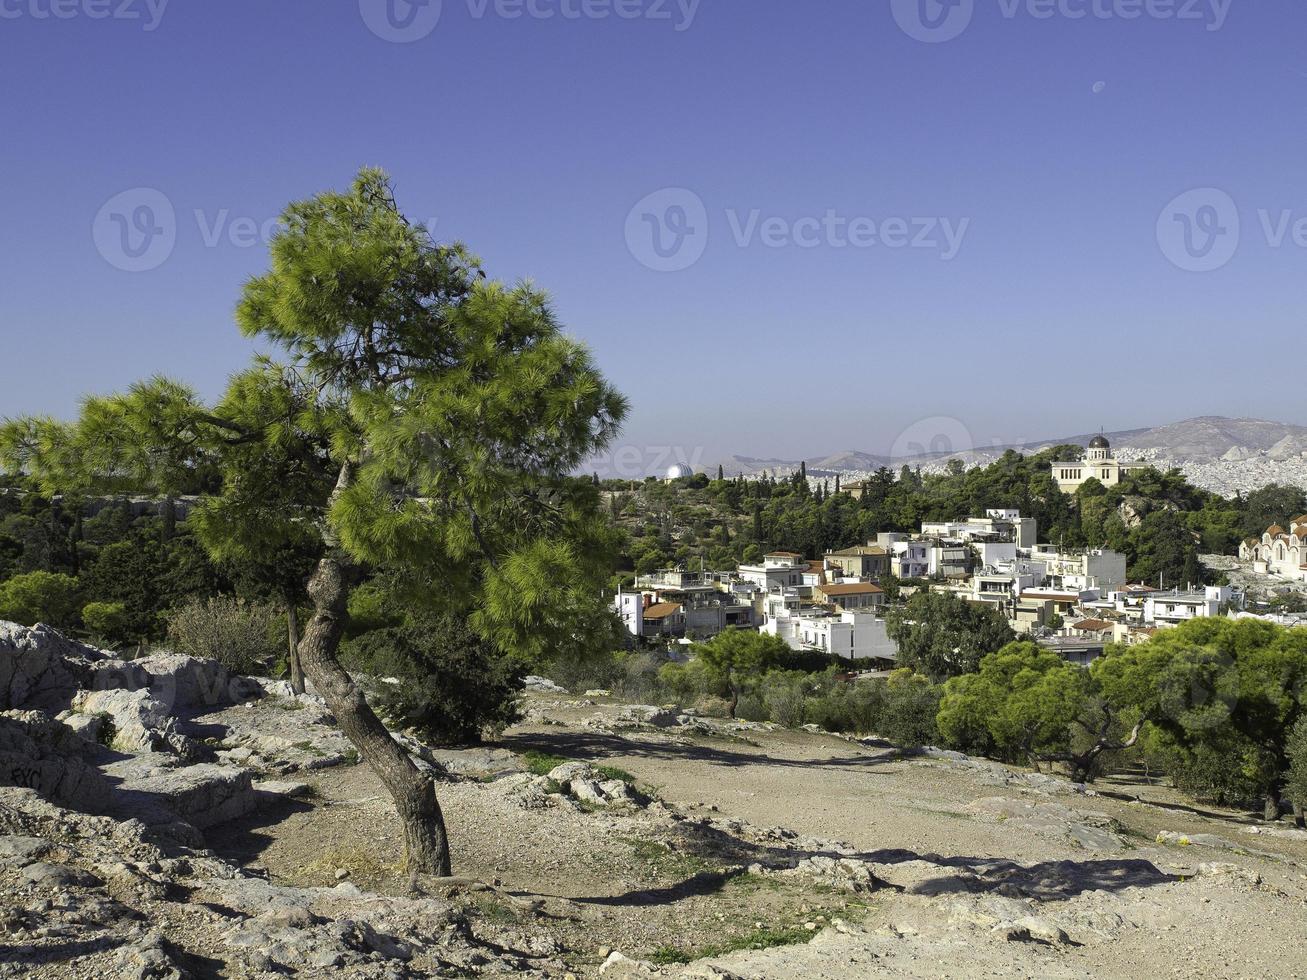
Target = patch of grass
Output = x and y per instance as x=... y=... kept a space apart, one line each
x=663 y=859
x=542 y=763
x=754 y=939
x=612 y=772
x=493 y=910
x=352 y=757
x=360 y=863
x=748 y=882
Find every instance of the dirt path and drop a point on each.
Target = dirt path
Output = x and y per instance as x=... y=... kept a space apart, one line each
x=983 y=870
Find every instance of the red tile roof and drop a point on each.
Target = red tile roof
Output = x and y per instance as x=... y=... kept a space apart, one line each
x=661 y=610
x=851 y=588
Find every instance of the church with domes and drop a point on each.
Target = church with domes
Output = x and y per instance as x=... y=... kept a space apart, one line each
x=1279 y=552
x=1098 y=464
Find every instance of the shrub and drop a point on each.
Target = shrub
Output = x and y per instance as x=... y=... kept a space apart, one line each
x=245 y=637
x=911 y=703
x=40 y=597
x=785 y=693
x=855 y=708
x=106 y=620
x=452 y=684
x=1296 y=785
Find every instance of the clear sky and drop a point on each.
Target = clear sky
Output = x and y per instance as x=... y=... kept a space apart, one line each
x=865 y=228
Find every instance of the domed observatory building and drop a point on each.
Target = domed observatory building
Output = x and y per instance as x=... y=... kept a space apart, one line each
x=1098 y=464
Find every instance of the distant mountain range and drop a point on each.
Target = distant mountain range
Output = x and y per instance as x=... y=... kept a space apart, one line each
x=1225 y=455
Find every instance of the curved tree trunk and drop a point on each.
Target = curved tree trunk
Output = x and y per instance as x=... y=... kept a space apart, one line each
x=414 y=792
x=293 y=642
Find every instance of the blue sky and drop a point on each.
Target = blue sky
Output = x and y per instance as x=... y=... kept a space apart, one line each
x=1055 y=148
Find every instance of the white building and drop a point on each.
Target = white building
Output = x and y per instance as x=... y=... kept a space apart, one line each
x=998 y=525
x=778 y=570
x=1174 y=608
x=908 y=558
x=850 y=635
x=1094 y=568
x=1279 y=552
x=1098 y=464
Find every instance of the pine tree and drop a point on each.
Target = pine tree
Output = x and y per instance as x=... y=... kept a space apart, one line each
x=425 y=422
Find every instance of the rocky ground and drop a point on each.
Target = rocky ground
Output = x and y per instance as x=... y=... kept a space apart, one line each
x=168 y=821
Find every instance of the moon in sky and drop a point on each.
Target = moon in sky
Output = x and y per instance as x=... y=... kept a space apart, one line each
x=1099 y=87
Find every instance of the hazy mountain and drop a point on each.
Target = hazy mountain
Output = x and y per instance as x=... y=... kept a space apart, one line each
x=1223 y=454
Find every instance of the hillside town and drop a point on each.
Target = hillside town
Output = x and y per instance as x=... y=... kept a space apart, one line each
x=1073 y=601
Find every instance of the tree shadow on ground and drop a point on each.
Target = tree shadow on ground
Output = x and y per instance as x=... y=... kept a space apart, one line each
x=1224 y=816
x=1045 y=881
x=595 y=747
x=244 y=839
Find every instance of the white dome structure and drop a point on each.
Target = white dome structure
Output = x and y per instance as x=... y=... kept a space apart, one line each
x=678 y=471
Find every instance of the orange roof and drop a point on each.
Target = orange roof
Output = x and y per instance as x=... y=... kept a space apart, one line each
x=1274 y=529
x=661 y=610
x=851 y=588
x=783 y=554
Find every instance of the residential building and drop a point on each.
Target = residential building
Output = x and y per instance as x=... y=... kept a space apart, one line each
x=849 y=596
x=1097 y=464
x=850 y=635
x=1007 y=579
x=869 y=561
x=1174 y=608
x=999 y=525
x=1092 y=568
x=948 y=559
x=643 y=617
x=908 y=559
x=778 y=569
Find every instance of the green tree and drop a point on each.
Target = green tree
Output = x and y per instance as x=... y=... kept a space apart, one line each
x=447 y=413
x=440 y=678
x=1296 y=783
x=1029 y=705
x=106 y=621
x=737 y=658
x=942 y=636
x=40 y=597
x=1224 y=696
